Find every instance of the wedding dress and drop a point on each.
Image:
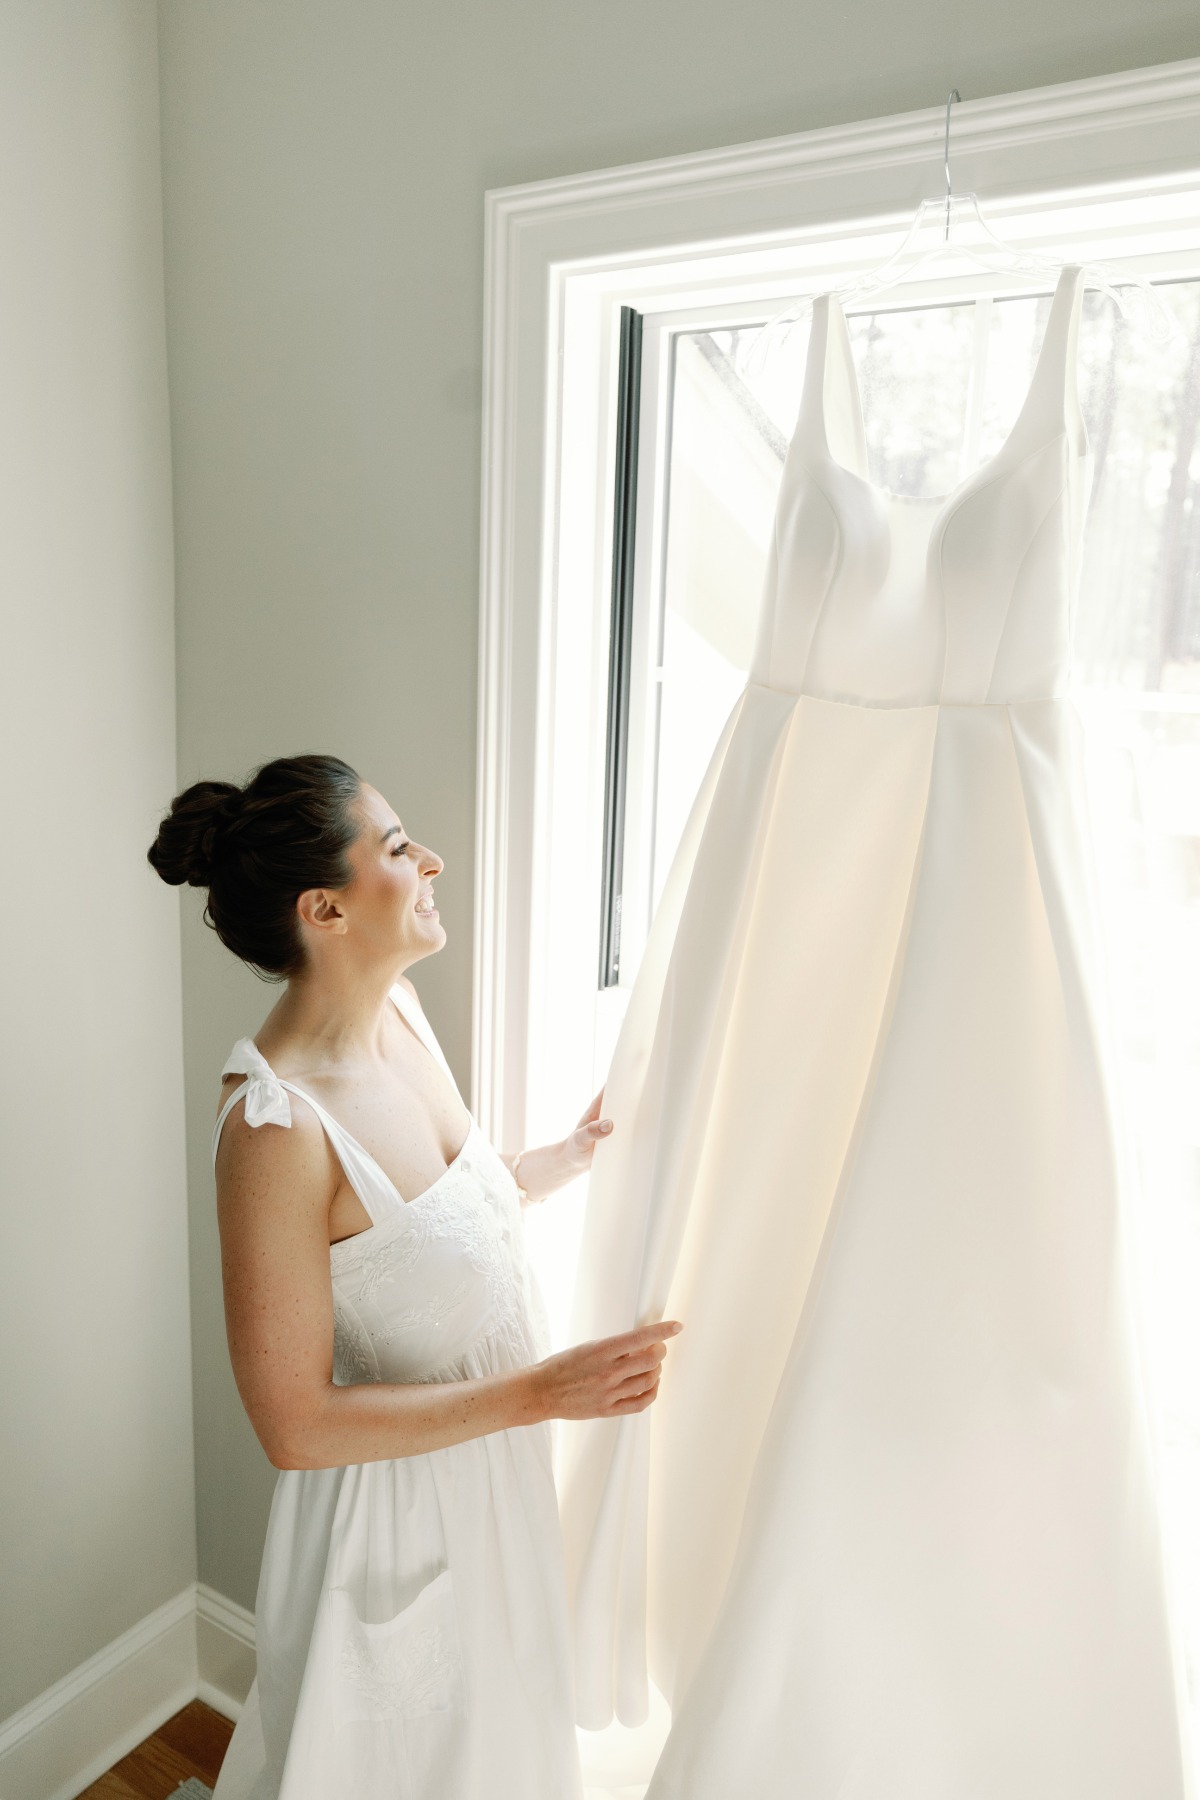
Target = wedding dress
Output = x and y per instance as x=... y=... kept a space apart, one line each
x=411 y=1624
x=890 y=1530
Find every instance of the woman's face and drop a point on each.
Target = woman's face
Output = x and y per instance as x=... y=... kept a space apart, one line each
x=388 y=905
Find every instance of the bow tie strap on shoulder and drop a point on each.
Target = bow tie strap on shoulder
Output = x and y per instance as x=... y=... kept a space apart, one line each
x=267 y=1102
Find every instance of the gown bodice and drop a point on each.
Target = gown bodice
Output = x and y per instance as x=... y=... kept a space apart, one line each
x=897 y=600
x=438 y=1287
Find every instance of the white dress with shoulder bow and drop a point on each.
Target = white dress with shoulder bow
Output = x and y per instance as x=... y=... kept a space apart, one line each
x=411 y=1616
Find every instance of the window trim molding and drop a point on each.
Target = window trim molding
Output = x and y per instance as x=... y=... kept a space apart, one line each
x=560 y=258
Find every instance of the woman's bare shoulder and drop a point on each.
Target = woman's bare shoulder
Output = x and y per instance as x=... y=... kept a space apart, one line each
x=273 y=1152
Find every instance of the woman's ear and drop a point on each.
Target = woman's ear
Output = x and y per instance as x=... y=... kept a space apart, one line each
x=319 y=910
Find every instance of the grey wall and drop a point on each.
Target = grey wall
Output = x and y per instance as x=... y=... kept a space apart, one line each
x=96 y=1475
x=324 y=166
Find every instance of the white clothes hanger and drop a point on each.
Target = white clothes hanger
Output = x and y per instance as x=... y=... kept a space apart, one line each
x=961 y=232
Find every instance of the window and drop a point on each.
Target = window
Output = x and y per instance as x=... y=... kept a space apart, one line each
x=704 y=248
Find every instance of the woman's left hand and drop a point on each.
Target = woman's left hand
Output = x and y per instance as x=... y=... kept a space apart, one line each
x=550 y=1166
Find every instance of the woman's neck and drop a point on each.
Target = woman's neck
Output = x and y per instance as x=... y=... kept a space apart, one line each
x=334 y=1017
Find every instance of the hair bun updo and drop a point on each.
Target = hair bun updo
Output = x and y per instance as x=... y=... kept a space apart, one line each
x=187 y=845
x=258 y=848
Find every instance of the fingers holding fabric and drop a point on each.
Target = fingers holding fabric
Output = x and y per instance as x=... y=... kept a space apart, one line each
x=607 y=1376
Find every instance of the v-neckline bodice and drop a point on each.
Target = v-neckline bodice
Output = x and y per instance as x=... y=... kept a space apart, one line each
x=275 y=1106
x=942 y=505
x=386 y=1178
x=881 y=599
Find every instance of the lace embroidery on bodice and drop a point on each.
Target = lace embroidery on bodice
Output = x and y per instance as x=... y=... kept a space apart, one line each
x=428 y=1286
x=436 y=1287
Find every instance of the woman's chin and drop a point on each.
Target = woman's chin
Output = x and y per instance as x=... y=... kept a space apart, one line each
x=430 y=935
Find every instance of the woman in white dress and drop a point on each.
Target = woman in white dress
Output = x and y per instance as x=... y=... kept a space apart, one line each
x=384 y=1331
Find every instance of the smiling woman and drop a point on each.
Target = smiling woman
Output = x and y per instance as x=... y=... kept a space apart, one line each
x=384 y=1329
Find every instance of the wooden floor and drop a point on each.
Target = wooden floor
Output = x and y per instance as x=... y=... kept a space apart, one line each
x=193 y=1743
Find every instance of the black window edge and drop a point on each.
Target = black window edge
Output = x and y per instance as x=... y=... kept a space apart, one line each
x=616 y=757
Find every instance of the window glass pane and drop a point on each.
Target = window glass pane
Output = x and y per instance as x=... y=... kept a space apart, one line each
x=941 y=388
x=914 y=370
x=726 y=457
x=1138 y=625
x=1015 y=329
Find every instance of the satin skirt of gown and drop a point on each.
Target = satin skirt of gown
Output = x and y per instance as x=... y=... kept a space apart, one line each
x=411 y=1618
x=890 y=1531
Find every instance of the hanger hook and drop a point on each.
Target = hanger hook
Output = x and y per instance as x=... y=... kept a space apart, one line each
x=954 y=95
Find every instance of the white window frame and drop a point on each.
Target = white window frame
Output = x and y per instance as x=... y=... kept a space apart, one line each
x=1107 y=167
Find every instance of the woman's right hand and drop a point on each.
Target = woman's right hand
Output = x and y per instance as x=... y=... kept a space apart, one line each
x=605 y=1378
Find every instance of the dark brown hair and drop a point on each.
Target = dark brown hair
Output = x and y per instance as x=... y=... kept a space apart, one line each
x=257 y=848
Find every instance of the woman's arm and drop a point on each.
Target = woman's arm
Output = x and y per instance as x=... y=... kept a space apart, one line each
x=274 y=1191
x=549 y=1166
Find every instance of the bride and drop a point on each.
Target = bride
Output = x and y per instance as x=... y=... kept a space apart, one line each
x=383 y=1327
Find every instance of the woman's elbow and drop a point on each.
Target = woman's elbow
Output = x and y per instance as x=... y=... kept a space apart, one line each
x=280 y=1457
x=286 y=1440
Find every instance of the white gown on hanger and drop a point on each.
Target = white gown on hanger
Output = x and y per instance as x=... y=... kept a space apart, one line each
x=411 y=1616
x=890 y=1531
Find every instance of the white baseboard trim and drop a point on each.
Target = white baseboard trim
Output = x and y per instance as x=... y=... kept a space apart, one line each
x=224 y=1651
x=198 y=1645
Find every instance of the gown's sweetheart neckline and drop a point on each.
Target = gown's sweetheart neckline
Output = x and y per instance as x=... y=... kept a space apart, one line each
x=958 y=491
